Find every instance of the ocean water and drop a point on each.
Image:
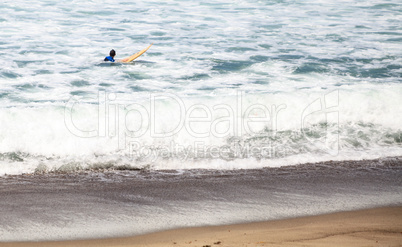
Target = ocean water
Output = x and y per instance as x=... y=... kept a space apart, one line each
x=297 y=82
x=226 y=85
x=252 y=91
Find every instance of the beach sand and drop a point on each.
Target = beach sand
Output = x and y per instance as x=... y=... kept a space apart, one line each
x=369 y=227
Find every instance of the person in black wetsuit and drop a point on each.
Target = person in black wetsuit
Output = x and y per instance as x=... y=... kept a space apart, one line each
x=110 y=58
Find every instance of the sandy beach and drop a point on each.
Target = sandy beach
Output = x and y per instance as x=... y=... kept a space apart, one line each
x=207 y=206
x=370 y=227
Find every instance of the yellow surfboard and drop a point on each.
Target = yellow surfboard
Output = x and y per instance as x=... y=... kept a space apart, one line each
x=136 y=55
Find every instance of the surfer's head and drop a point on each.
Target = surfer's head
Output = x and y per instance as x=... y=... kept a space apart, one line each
x=112 y=53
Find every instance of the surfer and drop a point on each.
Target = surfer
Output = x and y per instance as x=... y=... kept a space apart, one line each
x=111 y=56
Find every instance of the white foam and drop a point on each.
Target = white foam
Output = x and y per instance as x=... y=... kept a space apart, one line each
x=80 y=132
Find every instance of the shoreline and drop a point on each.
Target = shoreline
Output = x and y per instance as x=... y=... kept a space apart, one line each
x=370 y=162
x=369 y=227
x=56 y=207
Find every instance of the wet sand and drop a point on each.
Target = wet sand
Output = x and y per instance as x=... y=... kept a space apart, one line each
x=114 y=204
x=370 y=227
